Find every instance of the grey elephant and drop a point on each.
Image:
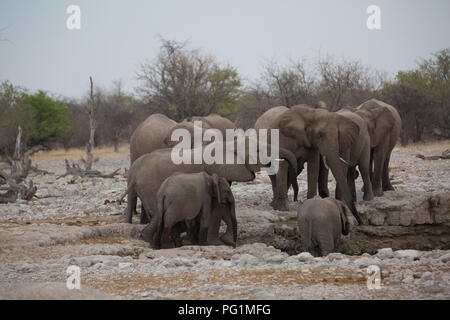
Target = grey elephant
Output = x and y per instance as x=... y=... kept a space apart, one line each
x=321 y=223
x=270 y=120
x=358 y=154
x=313 y=132
x=191 y=198
x=384 y=125
x=149 y=171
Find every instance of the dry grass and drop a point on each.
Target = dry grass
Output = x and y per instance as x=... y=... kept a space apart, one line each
x=429 y=148
x=77 y=153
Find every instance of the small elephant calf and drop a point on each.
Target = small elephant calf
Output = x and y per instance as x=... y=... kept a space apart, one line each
x=320 y=224
x=192 y=198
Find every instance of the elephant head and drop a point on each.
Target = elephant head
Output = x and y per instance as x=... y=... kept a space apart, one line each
x=379 y=120
x=328 y=132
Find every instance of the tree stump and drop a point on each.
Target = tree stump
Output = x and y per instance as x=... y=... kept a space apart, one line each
x=280 y=201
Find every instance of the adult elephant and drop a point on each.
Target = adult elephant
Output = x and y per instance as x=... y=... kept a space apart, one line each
x=155 y=132
x=358 y=154
x=150 y=170
x=326 y=133
x=271 y=120
x=384 y=125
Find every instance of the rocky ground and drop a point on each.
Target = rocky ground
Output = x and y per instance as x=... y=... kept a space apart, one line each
x=77 y=222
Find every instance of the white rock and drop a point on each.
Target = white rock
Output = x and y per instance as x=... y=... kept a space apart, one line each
x=385 y=253
x=445 y=258
x=248 y=260
x=336 y=256
x=123 y=265
x=304 y=257
x=408 y=254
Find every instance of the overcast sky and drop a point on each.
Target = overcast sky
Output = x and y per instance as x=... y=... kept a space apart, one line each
x=115 y=36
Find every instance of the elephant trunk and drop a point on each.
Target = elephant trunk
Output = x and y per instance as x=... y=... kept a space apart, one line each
x=290 y=157
x=341 y=181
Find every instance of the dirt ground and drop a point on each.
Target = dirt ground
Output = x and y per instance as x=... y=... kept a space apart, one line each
x=406 y=236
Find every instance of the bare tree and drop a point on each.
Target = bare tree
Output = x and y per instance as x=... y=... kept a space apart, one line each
x=290 y=84
x=185 y=82
x=346 y=82
x=90 y=110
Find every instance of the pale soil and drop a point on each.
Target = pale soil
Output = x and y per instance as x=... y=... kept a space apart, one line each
x=76 y=225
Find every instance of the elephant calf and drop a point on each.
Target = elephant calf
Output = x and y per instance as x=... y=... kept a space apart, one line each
x=192 y=198
x=320 y=224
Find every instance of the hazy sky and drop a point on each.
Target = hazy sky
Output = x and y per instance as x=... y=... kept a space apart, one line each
x=116 y=36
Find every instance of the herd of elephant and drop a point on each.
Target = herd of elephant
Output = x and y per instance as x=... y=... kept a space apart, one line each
x=195 y=198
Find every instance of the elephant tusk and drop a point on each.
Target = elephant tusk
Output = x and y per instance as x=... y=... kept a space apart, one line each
x=325 y=163
x=345 y=162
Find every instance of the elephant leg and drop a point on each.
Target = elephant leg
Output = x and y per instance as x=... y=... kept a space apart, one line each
x=193 y=230
x=227 y=237
x=386 y=182
x=273 y=181
x=313 y=174
x=293 y=181
x=131 y=206
x=144 y=215
x=205 y=217
x=175 y=233
x=378 y=164
x=323 y=179
x=367 y=183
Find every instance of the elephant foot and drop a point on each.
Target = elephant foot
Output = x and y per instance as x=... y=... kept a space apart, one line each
x=378 y=192
x=389 y=187
x=323 y=194
x=368 y=196
x=214 y=242
x=228 y=240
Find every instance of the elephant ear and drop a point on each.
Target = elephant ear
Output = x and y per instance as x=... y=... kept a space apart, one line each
x=343 y=211
x=348 y=132
x=382 y=119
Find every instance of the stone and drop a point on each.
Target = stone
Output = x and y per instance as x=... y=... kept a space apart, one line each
x=385 y=253
x=407 y=254
x=248 y=260
x=123 y=265
x=304 y=257
x=445 y=258
x=336 y=256
x=274 y=258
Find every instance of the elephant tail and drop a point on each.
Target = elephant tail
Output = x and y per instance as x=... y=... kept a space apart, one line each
x=130 y=186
